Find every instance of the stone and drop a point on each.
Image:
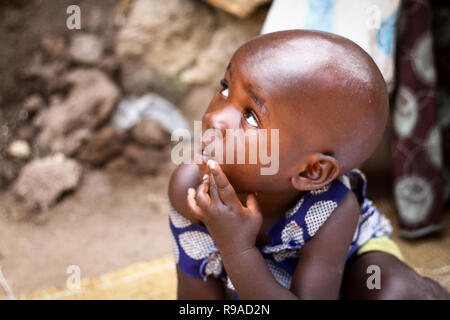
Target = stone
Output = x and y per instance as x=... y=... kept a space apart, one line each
x=131 y=110
x=74 y=141
x=193 y=49
x=34 y=103
x=88 y=105
x=106 y=144
x=45 y=71
x=239 y=8
x=148 y=132
x=54 y=45
x=19 y=149
x=16 y=213
x=8 y=171
x=94 y=18
x=109 y=64
x=139 y=160
x=146 y=161
x=42 y=181
x=86 y=48
x=196 y=102
x=26 y=132
x=210 y=65
x=148 y=45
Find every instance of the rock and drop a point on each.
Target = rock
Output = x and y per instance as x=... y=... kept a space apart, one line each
x=239 y=8
x=94 y=18
x=145 y=160
x=107 y=143
x=86 y=48
x=88 y=105
x=147 y=44
x=19 y=149
x=148 y=132
x=74 y=141
x=46 y=71
x=196 y=102
x=150 y=106
x=26 y=132
x=139 y=160
x=34 y=103
x=54 y=45
x=42 y=181
x=210 y=65
x=8 y=171
x=16 y=213
x=109 y=64
x=5 y=133
x=194 y=48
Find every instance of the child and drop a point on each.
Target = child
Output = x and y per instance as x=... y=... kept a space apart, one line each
x=306 y=232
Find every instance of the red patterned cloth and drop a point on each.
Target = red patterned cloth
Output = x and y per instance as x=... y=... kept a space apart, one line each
x=421 y=116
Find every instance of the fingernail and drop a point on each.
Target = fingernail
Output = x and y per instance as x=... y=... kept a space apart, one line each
x=190 y=191
x=205 y=176
x=211 y=164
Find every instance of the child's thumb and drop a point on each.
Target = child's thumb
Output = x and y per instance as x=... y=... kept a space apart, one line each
x=252 y=203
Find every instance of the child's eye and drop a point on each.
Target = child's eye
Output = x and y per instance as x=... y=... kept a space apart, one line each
x=224 y=91
x=251 y=118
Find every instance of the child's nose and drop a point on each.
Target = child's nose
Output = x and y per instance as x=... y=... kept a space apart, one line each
x=221 y=119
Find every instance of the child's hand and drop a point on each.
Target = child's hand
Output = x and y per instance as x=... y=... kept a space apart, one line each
x=233 y=227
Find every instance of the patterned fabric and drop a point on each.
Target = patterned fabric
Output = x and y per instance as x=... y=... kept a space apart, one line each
x=197 y=255
x=421 y=117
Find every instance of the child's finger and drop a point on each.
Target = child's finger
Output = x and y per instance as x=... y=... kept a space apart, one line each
x=224 y=188
x=202 y=196
x=213 y=191
x=252 y=203
x=192 y=204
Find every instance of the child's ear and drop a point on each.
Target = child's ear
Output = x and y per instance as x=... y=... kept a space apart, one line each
x=315 y=171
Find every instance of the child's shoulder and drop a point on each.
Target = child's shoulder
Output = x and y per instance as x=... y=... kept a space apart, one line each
x=185 y=176
x=354 y=181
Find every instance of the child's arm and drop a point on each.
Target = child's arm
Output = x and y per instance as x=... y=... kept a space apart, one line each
x=321 y=265
x=234 y=229
x=196 y=289
x=190 y=288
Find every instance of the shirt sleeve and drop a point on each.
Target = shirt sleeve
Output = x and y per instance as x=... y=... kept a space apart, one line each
x=194 y=250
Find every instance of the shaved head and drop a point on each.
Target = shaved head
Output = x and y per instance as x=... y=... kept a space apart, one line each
x=333 y=91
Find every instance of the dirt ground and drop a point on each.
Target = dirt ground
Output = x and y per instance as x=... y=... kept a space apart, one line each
x=112 y=221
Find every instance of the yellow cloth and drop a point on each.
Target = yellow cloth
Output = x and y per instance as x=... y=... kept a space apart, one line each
x=384 y=244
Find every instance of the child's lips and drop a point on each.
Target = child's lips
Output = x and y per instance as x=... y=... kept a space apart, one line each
x=206 y=156
x=202 y=158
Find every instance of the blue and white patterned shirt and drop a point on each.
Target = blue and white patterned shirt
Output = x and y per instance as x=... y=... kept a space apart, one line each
x=197 y=255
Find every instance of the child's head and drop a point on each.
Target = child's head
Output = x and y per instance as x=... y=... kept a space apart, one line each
x=322 y=92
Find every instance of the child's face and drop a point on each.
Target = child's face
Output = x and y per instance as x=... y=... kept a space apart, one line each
x=254 y=95
x=323 y=94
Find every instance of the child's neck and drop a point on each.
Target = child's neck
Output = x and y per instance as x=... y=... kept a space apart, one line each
x=273 y=205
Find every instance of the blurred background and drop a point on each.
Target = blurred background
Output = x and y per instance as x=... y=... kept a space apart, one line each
x=86 y=111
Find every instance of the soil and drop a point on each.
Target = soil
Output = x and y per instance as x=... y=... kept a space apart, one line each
x=111 y=221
